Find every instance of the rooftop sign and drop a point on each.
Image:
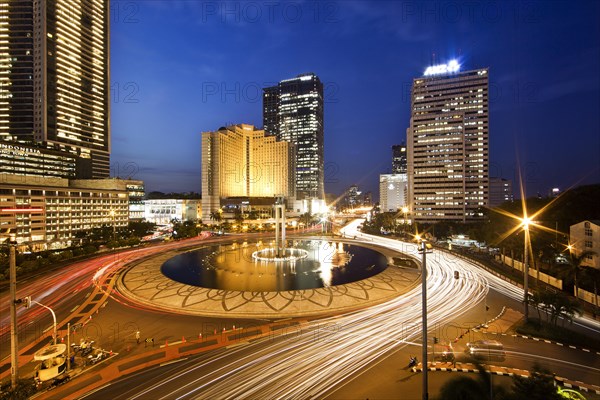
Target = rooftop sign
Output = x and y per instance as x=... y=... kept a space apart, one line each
x=451 y=67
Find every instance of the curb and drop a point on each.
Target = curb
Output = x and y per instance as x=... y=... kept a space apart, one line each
x=588 y=388
x=536 y=339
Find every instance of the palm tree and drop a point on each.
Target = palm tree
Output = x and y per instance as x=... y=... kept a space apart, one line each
x=216 y=216
x=592 y=275
x=306 y=218
x=575 y=268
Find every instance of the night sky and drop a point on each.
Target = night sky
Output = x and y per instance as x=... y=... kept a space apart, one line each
x=182 y=67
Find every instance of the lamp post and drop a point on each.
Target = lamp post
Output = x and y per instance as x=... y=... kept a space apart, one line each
x=14 y=343
x=112 y=214
x=54 y=331
x=424 y=248
x=526 y=221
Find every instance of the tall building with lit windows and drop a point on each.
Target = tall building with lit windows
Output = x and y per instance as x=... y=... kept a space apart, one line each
x=293 y=112
x=241 y=162
x=54 y=77
x=447 y=140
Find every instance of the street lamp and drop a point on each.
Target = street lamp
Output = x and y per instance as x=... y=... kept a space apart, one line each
x=525 y=221
x=54 y=332
x=424 y=248
x=112 y=214
x=14 y=344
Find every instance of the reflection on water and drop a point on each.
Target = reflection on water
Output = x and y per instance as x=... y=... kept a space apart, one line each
x=232 y=266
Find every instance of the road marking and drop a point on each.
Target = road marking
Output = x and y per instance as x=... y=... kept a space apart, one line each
x=173 y=361
x=75 y=308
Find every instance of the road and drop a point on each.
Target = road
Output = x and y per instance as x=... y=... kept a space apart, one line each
x=326 y=357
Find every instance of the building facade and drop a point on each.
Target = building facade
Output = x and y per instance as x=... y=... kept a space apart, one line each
x=46 y=213
x=447 y=143
x=392 y=192
x=500 y=191
x=399 y=161
x=163 y=211
x=585 y=236
x=240 y=161
x=293 y=112
x=54 y=77
x=134 y=188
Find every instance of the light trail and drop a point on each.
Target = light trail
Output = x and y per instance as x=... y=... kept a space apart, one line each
x=312 y=362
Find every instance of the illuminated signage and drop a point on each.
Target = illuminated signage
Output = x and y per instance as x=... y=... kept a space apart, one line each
x=452 y=66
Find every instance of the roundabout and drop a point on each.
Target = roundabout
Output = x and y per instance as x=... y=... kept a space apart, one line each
x=317 y=277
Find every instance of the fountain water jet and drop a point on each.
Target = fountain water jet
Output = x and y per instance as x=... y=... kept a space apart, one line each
x=280 y=253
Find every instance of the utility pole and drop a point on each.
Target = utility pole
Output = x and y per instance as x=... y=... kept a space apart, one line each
x=14 y=343
x=424 y=248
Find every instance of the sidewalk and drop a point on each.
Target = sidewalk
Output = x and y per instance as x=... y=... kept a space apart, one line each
x=497 y=370
x=113 y=368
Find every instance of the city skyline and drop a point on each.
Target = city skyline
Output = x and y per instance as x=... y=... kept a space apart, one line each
x=165 y=93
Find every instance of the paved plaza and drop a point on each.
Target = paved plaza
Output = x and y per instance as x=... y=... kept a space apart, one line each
x=144 y=282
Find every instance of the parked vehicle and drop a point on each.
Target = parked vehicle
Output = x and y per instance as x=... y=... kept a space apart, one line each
x=98 y=355
x=61 y=380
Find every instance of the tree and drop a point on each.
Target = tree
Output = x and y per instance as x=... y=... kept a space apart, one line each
x=466 y=388
x=574 y=268
x=216 y=216
x=538 y=386
x=238 y=216
x=141 y=228
x=306 y=218
x=592 y=275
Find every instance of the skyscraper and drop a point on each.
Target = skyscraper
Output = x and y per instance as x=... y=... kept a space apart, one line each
x=448 y=160
x=239 y=161
x=293 y=112
x=399 y=159
x=54 y=77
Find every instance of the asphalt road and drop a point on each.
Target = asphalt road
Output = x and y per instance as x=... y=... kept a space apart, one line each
x=352 y=359
x=356 y=356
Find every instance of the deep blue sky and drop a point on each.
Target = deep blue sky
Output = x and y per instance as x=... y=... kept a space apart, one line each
x=182 y=67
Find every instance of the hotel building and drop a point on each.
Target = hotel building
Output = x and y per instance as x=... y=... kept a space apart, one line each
x=46 y=213
x=447 y=142
x=240 y=161
x=293 y=112
x=54 y=78
x=392 y=192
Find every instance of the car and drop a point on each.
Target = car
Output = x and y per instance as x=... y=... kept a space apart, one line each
x=486 y=349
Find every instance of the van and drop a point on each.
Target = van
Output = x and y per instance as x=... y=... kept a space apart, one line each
x=486 y=349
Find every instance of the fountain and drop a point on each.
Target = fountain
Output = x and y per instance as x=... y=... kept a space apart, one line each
x=280 y=253
x=306 y=264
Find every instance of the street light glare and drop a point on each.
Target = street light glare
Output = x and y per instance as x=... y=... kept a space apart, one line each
x=526 y=222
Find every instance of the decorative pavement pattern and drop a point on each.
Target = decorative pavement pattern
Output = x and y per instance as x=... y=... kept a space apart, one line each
x=144 y=282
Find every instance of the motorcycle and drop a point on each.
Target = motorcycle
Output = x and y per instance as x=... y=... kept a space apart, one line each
x=413 y=361
x=93 y=359
x=86 y=348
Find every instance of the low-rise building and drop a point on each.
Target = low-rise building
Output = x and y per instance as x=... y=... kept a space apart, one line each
x=163 y=211
x=585 y=236
x=134 y=188
x=46 y=213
